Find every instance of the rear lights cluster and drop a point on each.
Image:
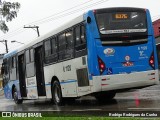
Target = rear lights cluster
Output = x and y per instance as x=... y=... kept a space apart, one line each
x=151 y=61
x=102 y=66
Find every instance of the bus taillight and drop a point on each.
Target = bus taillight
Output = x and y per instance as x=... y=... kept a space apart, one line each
x=102 y=66
x=151 y=60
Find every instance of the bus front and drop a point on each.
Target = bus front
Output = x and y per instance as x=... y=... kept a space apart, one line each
x=121 y=49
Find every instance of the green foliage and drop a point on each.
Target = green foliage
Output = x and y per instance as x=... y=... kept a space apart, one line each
x=8 y=12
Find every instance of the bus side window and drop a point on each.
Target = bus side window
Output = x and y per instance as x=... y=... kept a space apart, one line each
x=13 y=70
x=70 y=44
x=6 y=72
x=32 y=55
x=77 y=33
x=80 y=43
x=27 y=57
x=10 y=64
x=30 y=70
x=54 y=57
x=47 y=47
x=69 y=38
x=2 y=69
x=54 y=46
x=5 y=66
x=83 y=36
x=13 y=64
x=61 y=46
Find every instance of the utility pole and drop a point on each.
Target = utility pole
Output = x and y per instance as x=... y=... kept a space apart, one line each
x=6 y=45
x=34 y=29
x=5 y=41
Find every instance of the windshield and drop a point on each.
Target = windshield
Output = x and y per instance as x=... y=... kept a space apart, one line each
x=121 y=22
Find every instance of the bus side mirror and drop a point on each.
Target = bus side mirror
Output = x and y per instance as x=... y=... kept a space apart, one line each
x=88 y=20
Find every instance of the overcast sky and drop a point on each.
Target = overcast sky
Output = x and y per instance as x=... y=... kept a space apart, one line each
x=49 y=14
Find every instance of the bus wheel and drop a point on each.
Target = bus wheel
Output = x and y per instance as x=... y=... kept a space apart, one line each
x=57 y=93
x=105 y=96
x=15 y=97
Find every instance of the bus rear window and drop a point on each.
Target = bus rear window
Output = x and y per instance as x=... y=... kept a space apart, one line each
x=121 y=22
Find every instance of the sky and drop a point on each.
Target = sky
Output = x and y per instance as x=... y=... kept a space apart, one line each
x=50 y=14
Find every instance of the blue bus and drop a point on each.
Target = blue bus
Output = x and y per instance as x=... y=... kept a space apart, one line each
x=99 y=53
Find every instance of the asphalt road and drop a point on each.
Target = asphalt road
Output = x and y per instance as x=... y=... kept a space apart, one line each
x=146 y=99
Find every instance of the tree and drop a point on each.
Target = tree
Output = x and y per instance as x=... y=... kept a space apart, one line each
x=8 y=11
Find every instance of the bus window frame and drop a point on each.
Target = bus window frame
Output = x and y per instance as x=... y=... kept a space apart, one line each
x=81 y=48
x=49 y=51
x=30 y=62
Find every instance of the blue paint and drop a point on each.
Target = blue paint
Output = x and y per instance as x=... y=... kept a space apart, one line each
x=8 y=89
x=10 y=54
x=115 y=61
x=69 y=81
x=36 y=86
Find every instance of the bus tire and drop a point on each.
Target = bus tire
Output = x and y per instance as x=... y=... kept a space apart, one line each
x=15 y=97
x=105 y=96
x=57 y=94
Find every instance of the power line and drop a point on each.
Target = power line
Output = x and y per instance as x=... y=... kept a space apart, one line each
x=13 y=33
x=18 y=31
x=60 y=12
x=48 y=19
x=72 y=12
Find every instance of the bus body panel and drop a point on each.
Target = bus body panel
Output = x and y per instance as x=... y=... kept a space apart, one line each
x=138 y=54
x=31 y=87
x=116 y=63
x=56 y=70
x=65 y=72
x=91 y=34
x=9 y=79
x=8 y=89
x=124 y=81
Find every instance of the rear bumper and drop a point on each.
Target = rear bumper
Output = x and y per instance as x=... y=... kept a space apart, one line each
x=124 y=81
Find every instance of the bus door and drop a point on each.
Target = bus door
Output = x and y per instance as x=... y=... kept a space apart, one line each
x=39 y=71
x=21 y=70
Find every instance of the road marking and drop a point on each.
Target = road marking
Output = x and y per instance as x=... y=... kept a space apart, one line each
x=88 y=110
x=144 y=108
